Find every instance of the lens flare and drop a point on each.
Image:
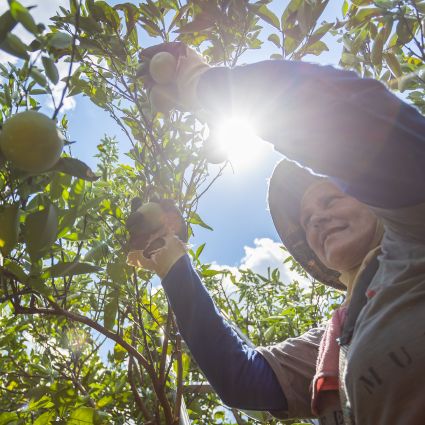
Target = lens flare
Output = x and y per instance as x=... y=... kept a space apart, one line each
x=237 y=137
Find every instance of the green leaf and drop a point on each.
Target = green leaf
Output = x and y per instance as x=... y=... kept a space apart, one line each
x=201 y=22
x=196 y=219
x=70 y=269
x=274 y=38
x=420 y=6
x=210 y=273
x=89 y=25
x=378 y=45
x=344 y=8
x=110 y=310
x=199 y=250
x=316 y=48
x=361 y=2
x=38 y=77
x=118 y=272
x=119 y=353
x=405 y=81
x=276 y=56
x=267 y=15
x=40 y=231
x=9 y=228
x=269 y=332
x=38 y=285
x=45 y=418
x=14 y=46
x=104 y=401
x=8 y=418
x=35 y=92
x=305 y=17
x=393 y=64
x=349 y=59
x=320 y=32
x=177 y=17
x=131 y=13
x=365 y=14
x=106 y=14
x=293 y=39
x=7 y=23
x=405 y=30
x=151 y=27
x=98 y=250
x=60 y=40
x=81 y=416
x=289 y=12
x=219 y=416
x=51 y=69
x=16 y=270
x=76 y=168
x=101 y=417
x=22 y=15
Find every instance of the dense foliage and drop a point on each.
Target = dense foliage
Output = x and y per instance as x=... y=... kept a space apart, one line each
x=85 y=338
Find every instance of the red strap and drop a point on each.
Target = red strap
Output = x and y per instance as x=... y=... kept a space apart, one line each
x=327 y=383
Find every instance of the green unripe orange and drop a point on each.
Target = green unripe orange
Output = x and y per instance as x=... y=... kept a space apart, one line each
x=31 y=141
x=153 y=217
x=147 y=219
x=162 y=67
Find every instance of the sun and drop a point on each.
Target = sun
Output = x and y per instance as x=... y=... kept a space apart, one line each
x=236 y=136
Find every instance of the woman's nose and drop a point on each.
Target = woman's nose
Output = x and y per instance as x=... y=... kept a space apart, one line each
x=319 y=218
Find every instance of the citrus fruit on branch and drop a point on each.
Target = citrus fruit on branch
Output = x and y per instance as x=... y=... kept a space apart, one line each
x=31 y=141
x=149 y=222
x=162 y=67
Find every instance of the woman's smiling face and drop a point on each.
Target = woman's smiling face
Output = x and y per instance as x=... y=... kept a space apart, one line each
x=339 y=229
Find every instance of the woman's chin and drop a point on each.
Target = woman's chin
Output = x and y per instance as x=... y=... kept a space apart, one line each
x=339 y=256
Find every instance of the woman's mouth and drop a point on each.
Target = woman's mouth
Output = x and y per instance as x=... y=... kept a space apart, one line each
x=329 y=232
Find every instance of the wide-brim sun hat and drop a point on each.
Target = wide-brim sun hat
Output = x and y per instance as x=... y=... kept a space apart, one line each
x=287 y=186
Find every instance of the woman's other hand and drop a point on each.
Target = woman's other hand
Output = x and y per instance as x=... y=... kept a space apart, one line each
x=162 y=259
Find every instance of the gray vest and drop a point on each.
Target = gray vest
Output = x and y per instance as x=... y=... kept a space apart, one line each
x=358 y=301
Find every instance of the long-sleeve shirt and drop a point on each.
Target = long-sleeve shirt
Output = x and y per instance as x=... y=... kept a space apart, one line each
x=239 y=374
x=372 y=145
x=349 y=128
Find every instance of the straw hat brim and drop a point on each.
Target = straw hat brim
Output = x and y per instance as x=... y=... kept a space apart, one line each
x=286 y=189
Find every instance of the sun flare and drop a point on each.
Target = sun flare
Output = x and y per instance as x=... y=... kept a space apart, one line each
x=237 y=138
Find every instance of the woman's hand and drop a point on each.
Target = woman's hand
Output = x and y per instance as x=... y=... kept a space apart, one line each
x=162 y=259
x=180 y=91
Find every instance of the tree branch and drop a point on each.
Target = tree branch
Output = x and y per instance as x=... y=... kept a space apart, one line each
x=139 y=402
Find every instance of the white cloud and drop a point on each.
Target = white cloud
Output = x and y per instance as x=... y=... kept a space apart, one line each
x=265 y=253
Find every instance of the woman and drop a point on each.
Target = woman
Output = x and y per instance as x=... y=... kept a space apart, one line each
x=371 y=147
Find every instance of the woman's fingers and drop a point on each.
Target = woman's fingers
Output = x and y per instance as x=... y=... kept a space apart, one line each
x=137 y=259
x=160 y=260
x=176 y=48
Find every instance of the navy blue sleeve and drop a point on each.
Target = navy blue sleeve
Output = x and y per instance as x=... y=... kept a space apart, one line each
x=370 y=142
x=239 y=374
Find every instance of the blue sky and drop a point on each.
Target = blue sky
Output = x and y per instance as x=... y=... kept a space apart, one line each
x=236 y=205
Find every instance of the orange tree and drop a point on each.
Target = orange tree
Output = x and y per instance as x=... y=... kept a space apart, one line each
x=385 y=40
x=87 y=339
